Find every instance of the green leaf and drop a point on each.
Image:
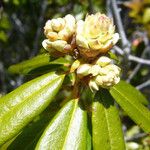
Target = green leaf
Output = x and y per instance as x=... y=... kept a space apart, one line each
x=68 y=129
x=33 y=131
x=20 y=115
x=39 y=61
x=139 y=97
x=28 y=65
x=60 y=61
x=24 y=91
x=129 y=99
x=30 y=135
x=106 y=126
x=72 y=77
x=113 y=56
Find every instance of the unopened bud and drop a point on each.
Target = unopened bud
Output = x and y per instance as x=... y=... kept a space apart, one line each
x=108 y=80
x=84 y=69
x=60 y=28
x=45 y=45
x=113 y=68
x=57 y=24
x=94 y=70
x=110 y=68
x=99 y=80
x=52 y=35
x=103 y=61
x=93 y=85
x=75 y=65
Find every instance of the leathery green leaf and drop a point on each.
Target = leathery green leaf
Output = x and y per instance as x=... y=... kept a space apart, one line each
x=132 y=106
x=31 y=133
x=27 y=65
x=67 y=130
x=128 y=88
x=24 y=91
x=106 y=126
x=15 y=119
x=34 y=63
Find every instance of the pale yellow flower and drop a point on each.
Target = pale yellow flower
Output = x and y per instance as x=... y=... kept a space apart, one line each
x=95 y=35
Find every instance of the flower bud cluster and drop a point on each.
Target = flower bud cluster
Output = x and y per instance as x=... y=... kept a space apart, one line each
x=58 y=32
x=102 y=74
x=86 y=40
x=94 y=36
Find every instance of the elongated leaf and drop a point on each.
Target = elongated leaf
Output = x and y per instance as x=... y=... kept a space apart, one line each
x=131 y=104
x=130 y=89
x=60 y=61
x=39 y=61
x=106 y=126
x=26 y=66
x=14 y=120
x=23 y=92
x=28 y=138
x=68 y=130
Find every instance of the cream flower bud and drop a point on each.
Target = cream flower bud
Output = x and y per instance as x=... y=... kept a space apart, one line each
x=95 y=35
x=58 y=45
x=75 y=65
x=108 y=76
x=57 y=24
x=83 y=70
x=110 y=68
x=103 y=61
x=58 y=32
x=60 y=28
x=93 y=85
x=94 y=70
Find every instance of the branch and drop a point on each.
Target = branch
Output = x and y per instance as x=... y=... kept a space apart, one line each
x=131 y=57
x=125 y=42
x=139 y=60
x=143 y=85
x=138 y=66
x=118 y=50
x=136 y=137
x=18 y=24
x=109 y=11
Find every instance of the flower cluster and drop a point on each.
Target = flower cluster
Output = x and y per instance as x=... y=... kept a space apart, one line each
x=103 y=73
x=91 y=39
x=59 y=32
x=95 y=35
